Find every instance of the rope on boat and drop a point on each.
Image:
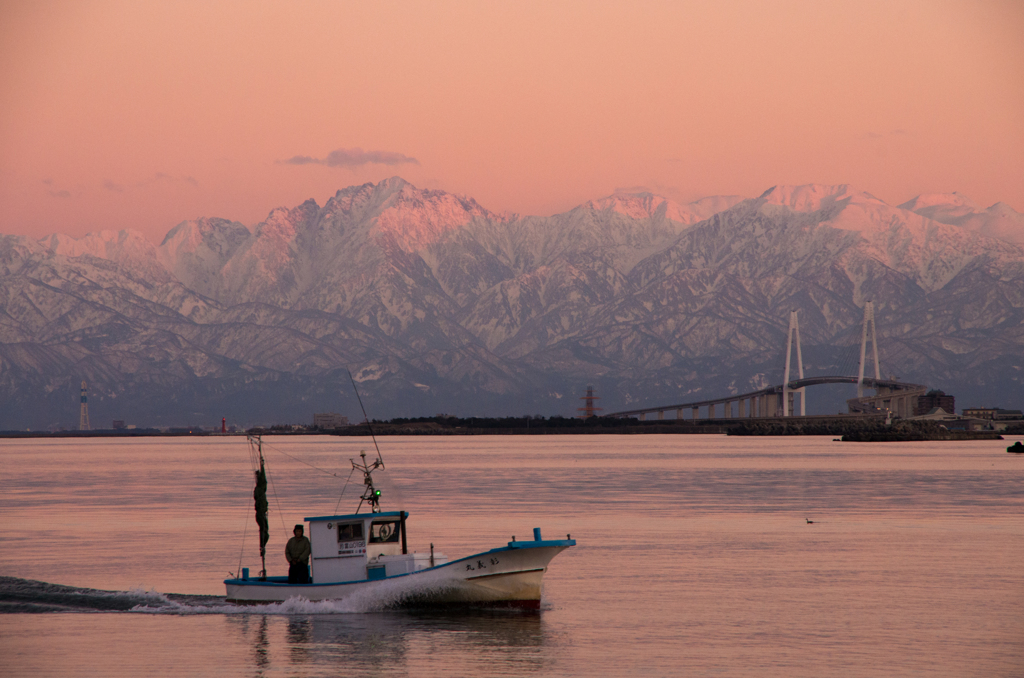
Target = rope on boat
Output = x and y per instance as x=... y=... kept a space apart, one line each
x=338 y=505
x=280 y=451
x=280 y=513
x=312 y=466
x=255 y=459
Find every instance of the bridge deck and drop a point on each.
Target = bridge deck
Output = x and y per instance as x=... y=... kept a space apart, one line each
x=794 y=385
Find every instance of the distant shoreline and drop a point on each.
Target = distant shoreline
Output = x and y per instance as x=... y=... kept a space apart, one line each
x=850 y=429
x=114 y=433
x=386 y=430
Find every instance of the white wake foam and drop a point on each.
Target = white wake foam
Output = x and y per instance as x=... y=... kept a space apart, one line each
x=386 y=595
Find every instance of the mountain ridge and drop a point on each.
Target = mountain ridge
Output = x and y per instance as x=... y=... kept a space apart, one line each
x=437 y=303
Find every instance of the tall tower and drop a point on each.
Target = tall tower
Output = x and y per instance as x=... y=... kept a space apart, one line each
x=869 y=318
x=589 y=410
x=83 y=419
x=787 y=394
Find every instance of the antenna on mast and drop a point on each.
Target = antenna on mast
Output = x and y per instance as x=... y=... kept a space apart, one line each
x=371 y=495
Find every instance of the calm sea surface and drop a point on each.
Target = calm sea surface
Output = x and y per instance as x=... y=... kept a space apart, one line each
x=695 y=557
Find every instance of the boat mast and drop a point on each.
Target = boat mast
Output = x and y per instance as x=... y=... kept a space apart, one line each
x=259 y=495
x=371 y=495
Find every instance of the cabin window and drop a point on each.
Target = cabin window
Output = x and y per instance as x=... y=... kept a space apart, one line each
x=350 y=532
x=384 y=532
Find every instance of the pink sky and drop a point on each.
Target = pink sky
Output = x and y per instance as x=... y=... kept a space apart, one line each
x=142 y=114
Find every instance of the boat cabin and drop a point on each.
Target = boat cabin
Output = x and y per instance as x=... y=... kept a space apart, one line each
x=363 y=546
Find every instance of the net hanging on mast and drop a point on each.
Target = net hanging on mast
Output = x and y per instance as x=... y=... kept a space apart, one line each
x=259 y=495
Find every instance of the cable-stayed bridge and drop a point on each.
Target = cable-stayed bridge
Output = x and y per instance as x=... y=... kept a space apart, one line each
x=891 y=397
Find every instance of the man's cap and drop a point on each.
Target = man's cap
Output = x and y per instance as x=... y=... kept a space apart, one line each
x=299 y=527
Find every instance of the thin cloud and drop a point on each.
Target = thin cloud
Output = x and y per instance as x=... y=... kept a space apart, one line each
x=55 y=192
x=111 y=186
x=163 y=177
x=160 y=176
x=353 y=157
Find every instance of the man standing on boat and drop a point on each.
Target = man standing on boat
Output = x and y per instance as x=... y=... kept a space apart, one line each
x=297 y=552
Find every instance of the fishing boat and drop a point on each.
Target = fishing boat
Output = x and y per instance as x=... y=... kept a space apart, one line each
x=364 y=556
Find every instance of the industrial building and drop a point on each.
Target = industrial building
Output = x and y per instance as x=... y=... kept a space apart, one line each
x=329 y=420
x=993 y=413
x=932 y=399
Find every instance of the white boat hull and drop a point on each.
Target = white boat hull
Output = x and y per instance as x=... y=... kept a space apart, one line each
x=510 y=576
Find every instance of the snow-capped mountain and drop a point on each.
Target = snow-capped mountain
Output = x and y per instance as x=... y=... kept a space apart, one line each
x=439 y=305
x=997 y=221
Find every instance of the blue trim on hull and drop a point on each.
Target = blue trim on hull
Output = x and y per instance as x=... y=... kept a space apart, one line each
x=512 y=546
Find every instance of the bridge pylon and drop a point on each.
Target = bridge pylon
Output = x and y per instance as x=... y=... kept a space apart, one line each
x=787 y=393
x=869 y=317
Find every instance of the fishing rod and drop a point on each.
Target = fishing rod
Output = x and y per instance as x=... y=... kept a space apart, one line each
x=365 y=418
x=371 y=495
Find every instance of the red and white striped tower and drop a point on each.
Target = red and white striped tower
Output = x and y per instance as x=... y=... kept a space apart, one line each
x=589 y=410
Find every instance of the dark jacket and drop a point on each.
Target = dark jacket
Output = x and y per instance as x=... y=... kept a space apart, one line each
x=297 y=550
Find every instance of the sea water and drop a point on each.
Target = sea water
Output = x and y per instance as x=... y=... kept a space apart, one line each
x=697 y=556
